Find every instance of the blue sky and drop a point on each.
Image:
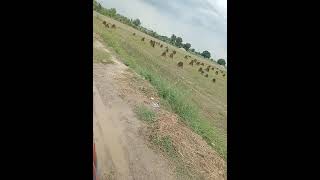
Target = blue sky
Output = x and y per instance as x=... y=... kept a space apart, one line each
x=202 y=23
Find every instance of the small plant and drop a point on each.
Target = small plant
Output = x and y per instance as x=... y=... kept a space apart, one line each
x=166 y=145
x=145 y=113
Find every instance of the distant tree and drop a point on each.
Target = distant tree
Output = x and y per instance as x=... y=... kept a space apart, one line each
x=192 y=50
x=137 y=22
x=187 y=46
x=221 y=62
x=99 y=6
x=154 y=34
x=178 y=42
x=206 y=54
x=173 y=39
x=113 y=12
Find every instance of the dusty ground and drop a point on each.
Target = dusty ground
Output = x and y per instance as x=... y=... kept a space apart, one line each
x=122 y=152
x=123 y=149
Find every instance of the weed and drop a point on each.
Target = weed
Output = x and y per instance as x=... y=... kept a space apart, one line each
x=145 y=113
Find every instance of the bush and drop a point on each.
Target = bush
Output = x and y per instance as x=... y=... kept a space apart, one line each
x=221 y=62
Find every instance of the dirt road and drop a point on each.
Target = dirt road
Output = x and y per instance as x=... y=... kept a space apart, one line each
x=122 y=152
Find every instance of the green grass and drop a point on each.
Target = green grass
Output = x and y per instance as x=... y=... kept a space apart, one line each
x=145 y=113
x=165 y=144
x=199 y=103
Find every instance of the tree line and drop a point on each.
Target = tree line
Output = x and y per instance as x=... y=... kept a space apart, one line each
x=136 y=23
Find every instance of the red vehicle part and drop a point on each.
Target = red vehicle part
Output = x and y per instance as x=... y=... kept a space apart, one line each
x=94 y=163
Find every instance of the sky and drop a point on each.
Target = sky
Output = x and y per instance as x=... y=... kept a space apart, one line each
x=202 y=23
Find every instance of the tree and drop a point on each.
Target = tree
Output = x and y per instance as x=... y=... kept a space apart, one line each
x=192 y=50
x=173 y=39
x=187 y=46
x=221 y=62
x=154 y=34
x=206 y=54
x=137 y=22
x=179 y=42
x=113 y=12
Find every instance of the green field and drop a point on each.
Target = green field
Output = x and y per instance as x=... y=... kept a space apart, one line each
x=200 y=103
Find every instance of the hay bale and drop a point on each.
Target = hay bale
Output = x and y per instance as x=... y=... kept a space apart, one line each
x=200 y=69
x=206 y=75
x=174 y=52
x=202 y=64
x=186 y=57
x=198 y=63
x=217 y=72
x=142 y=39
x=207 y=69
x=191 y=63
x=164 y=54
x=171 y=55
x=161 y=45
x=180 y=64
x=134 y=34
x=113 y=26
x=152 y=43
x=213 y=80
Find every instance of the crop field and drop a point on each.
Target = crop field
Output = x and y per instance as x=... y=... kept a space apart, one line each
x=200 y=101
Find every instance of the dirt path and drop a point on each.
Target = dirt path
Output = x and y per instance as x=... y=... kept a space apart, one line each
x=122 y=152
